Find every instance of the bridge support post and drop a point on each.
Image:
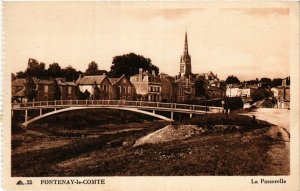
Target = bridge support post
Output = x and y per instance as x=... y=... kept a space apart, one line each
x=191 y=115
x=172 y=113
x=41 y=111
x=26 y=115
x=154 y=111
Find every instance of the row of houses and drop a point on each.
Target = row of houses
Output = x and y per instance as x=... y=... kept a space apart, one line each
x=110 y=88
x=145 y=86
x=280 y=94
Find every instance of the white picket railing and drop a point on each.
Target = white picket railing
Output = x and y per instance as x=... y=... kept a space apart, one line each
x=117 y=103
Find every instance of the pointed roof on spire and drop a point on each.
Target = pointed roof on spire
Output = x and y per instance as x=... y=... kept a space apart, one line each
x=186 y=46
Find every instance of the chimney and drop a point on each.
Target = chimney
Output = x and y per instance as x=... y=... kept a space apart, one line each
x=140 y=74
x=284 y=82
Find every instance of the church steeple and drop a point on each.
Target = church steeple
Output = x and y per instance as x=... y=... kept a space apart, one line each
x=185 y=60
x=186 y=46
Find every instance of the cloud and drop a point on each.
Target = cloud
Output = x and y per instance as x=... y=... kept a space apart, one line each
x=169 y=14
x=261 y=12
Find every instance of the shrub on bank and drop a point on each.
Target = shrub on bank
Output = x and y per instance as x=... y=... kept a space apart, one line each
x=223 y=119
x=233 y=103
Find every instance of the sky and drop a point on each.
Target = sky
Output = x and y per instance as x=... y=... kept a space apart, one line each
x=246 y=42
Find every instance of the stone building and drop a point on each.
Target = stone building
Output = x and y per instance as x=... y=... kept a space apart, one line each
x=44 y=90
x=282 y=95
x=68 y=89
x=88 y=83
x=123 y=88
x=18 y=90
x=167 y=88
x=184 y=83
x=214 y=87
x=147 y=85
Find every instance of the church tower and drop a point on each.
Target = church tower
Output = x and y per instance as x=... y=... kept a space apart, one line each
x=185 y=60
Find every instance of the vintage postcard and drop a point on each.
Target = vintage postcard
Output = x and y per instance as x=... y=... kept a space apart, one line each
x=122 y=95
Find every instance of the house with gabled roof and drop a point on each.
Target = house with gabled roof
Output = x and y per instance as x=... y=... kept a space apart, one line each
x=18 y=90
x=123 y=88
x=88 y=83
x=147 y=85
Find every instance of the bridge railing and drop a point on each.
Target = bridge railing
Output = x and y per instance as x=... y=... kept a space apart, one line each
x=139 y=104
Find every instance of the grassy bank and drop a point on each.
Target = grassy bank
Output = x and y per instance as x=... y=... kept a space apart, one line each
x=84 y=144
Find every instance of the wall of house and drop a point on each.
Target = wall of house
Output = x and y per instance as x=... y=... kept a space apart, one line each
x=215 y=94
x=15 y=89
x=232 y=92
x=66 y=94
x=166 y=90
x=284 y=93
x=43 y=94
x=141 y=87
x=124 y=90
x=275 y=92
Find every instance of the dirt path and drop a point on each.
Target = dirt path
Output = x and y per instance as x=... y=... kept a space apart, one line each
x=279 y=117
x=279 y=153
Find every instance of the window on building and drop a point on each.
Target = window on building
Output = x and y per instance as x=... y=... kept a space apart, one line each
x=158 y=89
x=105 y=87
x=119 y=89
x=129 y=90
x=46 y=89
x=69 y=90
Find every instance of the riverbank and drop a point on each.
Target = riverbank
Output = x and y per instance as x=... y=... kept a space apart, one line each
x=58 y=146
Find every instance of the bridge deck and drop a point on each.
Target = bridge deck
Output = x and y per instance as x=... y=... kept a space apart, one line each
x=184 y=108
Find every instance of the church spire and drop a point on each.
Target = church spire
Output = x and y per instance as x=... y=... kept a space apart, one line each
x=185 y=59
x=186 y=46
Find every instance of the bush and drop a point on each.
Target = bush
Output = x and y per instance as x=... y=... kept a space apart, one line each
x=233 y=103
x=260 y=94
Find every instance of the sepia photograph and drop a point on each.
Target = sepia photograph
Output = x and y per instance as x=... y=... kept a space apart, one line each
x=151 y=90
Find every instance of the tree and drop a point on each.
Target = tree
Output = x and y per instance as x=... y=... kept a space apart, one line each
x=70 y=73
x=266 y=82
x=96 y=91
x=129 y=65
x=54 y=70
x=56 y=91
x=232 y=80
x=92 y=69
x=276 y=82
x=30 y=89
x=35 y=69
x=21 y=74
x=260 y=94
x=13 y=76
x=86 y=94
x=200 y=87
x=233 y=103
x=288 y=81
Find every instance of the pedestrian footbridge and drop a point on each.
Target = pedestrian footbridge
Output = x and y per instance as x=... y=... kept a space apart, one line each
x=144 y=107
